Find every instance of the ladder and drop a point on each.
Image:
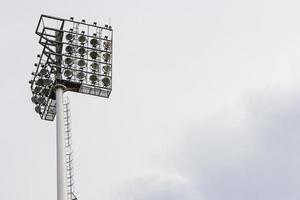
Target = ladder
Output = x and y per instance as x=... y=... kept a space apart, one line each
x=69 y=150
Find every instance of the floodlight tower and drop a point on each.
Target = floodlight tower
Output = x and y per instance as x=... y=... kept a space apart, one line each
x=77 y=57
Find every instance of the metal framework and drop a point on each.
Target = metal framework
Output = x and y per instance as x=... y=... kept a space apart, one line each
x=76 y=57
x=75 y=54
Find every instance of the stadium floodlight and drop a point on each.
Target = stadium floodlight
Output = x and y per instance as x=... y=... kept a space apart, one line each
x=72 y=56
x=77 y=57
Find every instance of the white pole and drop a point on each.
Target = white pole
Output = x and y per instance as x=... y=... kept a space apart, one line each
x=60 y=144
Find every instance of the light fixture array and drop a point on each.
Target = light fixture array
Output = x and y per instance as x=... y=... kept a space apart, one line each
x=75 y=54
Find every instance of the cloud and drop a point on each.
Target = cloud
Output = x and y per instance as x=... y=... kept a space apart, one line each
x=158 y=185
x=245 y=152
x=248 y=154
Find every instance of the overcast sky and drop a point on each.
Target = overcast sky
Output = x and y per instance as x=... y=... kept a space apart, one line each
x=205 y=103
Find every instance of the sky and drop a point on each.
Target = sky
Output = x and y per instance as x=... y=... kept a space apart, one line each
x=204 y=106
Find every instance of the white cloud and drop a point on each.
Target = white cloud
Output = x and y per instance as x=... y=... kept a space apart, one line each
x=159 y=185
x=249 y=152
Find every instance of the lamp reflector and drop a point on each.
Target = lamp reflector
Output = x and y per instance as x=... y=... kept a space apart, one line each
x=37 y=90
x=45 y=92
x=69 y=49
x=34 y=99
x=107 y=45
x=40 y=82
x=95 y=66
x=80 y=75
x=94 y=54
x=43 y=72
x=94 y=42
x=81 y=63
x=93 y=78
x=82 y=39
x=106 y=57
x=47 y=82
x=81 y=51
x=106 y=68
x=106 y=82
x=41 y=100
x=38 y=109
x=70 y=37
x=68 y=73
x=69 y=61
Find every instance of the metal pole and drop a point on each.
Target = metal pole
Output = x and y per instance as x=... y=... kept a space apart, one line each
x=60 y=144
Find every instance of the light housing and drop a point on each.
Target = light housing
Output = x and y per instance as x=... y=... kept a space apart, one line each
x=73 y=54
